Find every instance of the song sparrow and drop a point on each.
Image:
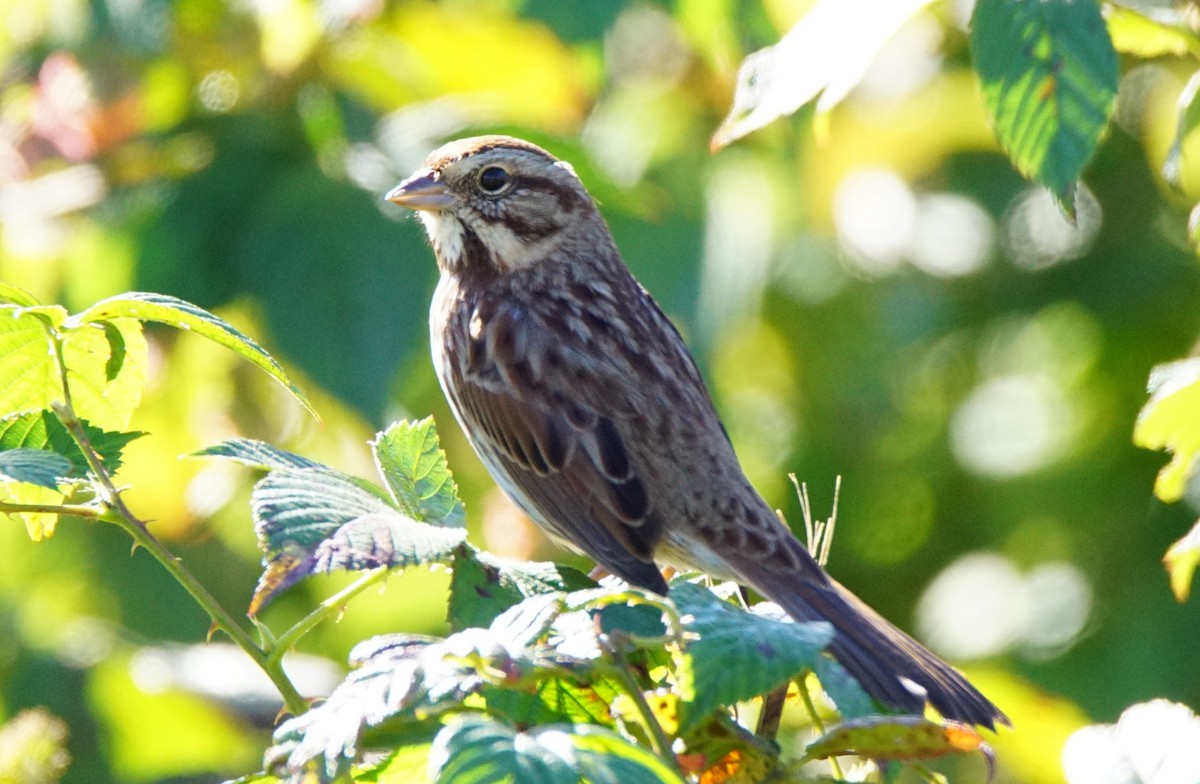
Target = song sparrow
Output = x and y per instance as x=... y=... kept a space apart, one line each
x=585 y=405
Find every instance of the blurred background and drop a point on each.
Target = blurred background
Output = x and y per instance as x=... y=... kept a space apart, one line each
x=873 y=294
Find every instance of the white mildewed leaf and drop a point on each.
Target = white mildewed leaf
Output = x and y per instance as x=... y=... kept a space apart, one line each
x=827 y=53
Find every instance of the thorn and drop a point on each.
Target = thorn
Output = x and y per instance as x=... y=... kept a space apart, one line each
x=212 y=630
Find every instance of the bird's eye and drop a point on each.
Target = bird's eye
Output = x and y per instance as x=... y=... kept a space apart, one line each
x=493 y=180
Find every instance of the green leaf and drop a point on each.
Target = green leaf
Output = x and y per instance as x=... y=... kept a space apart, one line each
x=15 y=295
x=406 y=765
x=29 y=374
x=314 y=520
x=554 y=700
x=1049 y=77
x=176 y=313
x=256 y=454
x=34 y=466
x=478 y=749
x=483 y=586
x=105 y=400
x=1171 y=420
x=896 y=738
x=42 y=430
x=414 y=466
x=1181 y=561
x=736 y=655
x=116 y=350
x=826 y=53
x=1188 y=109
x=841 y=687
x=397 y=678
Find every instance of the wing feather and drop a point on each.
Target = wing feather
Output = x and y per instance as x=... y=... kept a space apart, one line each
x=534 y=411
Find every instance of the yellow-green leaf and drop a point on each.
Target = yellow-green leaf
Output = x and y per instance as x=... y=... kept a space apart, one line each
x=1181 y=561
x=184 y=315
x=1171 y=420
x=896 y=738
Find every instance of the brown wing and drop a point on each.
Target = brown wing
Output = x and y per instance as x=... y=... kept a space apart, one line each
x=548 y=413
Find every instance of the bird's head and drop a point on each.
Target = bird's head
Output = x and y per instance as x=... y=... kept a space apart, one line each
x=496 y=201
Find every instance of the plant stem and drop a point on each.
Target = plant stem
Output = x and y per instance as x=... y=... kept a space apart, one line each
x=802 y=685
x=221 y=618
x=620 y=670
x=324 y=610
x=78 y=510
x=115 y=511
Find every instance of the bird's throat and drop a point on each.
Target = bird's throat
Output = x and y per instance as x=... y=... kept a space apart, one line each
x=448 y=237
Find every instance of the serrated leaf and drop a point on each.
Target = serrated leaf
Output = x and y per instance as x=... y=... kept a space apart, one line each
x=1188 y=114
x=554 y=700
x=1181 y=561
x=413 y=465
x=15 y=295
x=42 y=430
x=177 y=313
x=314 y=520
x=896 y=738
x=483 y=586
x=736 y=655
x=826 y=53
x=29 y=374
x=34 y=466
x=478 y=749
x=1171 y=420
x=256 y=454
x=397 y=676
x=1049 y=78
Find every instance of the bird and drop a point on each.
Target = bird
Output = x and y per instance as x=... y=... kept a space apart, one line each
x=584 y=403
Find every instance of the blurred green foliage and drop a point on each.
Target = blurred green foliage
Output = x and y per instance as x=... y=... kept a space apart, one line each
x=884 y=300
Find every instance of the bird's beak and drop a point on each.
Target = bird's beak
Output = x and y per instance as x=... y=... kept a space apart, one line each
x=422 y=191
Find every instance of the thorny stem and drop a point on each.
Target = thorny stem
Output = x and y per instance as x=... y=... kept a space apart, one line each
x=112 y=509
x=620 y=670
x=326 y=608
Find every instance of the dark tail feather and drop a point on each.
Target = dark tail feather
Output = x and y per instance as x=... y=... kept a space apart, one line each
x=882 y=658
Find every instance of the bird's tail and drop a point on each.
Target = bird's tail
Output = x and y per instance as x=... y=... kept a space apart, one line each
x=892 y=667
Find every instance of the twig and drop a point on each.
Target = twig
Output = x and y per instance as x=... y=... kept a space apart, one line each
x=323 y=610
x=772 y=712
x=114 y=510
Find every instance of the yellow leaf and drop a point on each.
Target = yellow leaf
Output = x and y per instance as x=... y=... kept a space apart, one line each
x=1171 y=420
